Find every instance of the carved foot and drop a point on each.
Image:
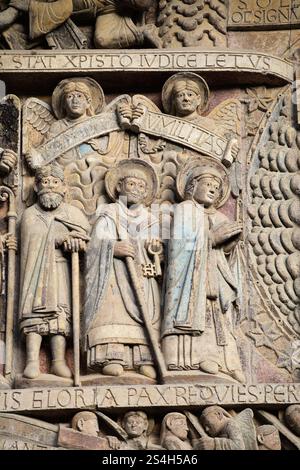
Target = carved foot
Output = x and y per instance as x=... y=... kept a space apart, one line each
x=151 y=36
x=61 y=369
x=8 y=17
x=32 y=370
x=148 y=371
x=238 y=375
x=113 y=369
x=210 y=367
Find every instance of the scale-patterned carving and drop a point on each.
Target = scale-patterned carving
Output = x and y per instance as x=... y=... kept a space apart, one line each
x=275 y=213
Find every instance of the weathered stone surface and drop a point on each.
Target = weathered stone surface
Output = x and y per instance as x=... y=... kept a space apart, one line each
x=149 y=225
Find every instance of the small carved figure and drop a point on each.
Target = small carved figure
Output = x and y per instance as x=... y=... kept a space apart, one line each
x=115 y=328
x=137 y=427
x=292 y=418
x=49 y=230
x=201 y=292
x=268 y=438
x=226 y=432
x=114 y=28
x=174 y=432
x=85 y=434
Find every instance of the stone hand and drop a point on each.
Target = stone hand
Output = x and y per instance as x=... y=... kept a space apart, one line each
x=226 y=232
x=10 y=242
x=22 y=5
x=113 y=442
x=235 y=149
x=124 y=249
x=206 y=443
x=138 y=111
x=75 y=243
x=33 y=159
x=125 y=110
x=8 y=160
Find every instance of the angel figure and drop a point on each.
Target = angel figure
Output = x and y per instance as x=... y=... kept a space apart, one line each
x=74 y=103
x=186 y=95
x=199 y=323
x=227 y=432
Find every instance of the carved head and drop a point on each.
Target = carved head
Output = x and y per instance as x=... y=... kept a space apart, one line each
x=185 y=95
x=78 y=97
x=206 y=187
x=135 y=423
x=50 y=186
x=268 y=438
x=133 y=187
x=77 y=100
x=86 y=422
x=176 y=423
x=205 y=181
x=134 y=181
x=292 y=418
x=213 y=419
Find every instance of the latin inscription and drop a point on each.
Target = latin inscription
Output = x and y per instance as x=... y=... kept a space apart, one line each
x=263 y=13
x=155 y=396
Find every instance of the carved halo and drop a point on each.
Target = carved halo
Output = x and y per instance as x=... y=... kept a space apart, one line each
x=96 y=91
x=132 y=167
x=200 y=166
x=167 y=90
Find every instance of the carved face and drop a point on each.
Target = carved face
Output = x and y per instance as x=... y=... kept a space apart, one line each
x=207 y=191
x=135 y=425
x=89 y=427
x=51 y=191
x=133 y=189
x=270 y=441
x=179 y=428
x=213 y=423
x=76 y=104
x=186 y=102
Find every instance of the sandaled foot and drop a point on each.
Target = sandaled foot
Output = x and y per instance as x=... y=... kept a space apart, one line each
x=8 y=17
x=32 y=370
x=210 y=367
x=113 y=369
x=61 y=369
x=148 y=371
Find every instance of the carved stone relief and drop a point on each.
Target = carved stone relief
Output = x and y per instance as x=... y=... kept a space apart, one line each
x=149 y=226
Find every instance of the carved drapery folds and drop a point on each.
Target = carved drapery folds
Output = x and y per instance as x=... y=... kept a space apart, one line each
x=149 y=230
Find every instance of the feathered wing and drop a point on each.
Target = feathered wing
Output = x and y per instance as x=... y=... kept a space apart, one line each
x=246 y=424
x=37 y=120
x=275 y=213
x=227 y=116
x=228 y=119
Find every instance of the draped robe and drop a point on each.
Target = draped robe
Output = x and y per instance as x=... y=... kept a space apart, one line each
x=200 y=294
x=114 y=326
x=45 y=278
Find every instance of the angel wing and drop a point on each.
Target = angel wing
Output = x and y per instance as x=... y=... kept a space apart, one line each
x=227 y=116
x=37 y=120
x=275 y=214
x=246 y=424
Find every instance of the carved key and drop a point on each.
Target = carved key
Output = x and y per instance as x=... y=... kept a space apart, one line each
x=156 y=254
